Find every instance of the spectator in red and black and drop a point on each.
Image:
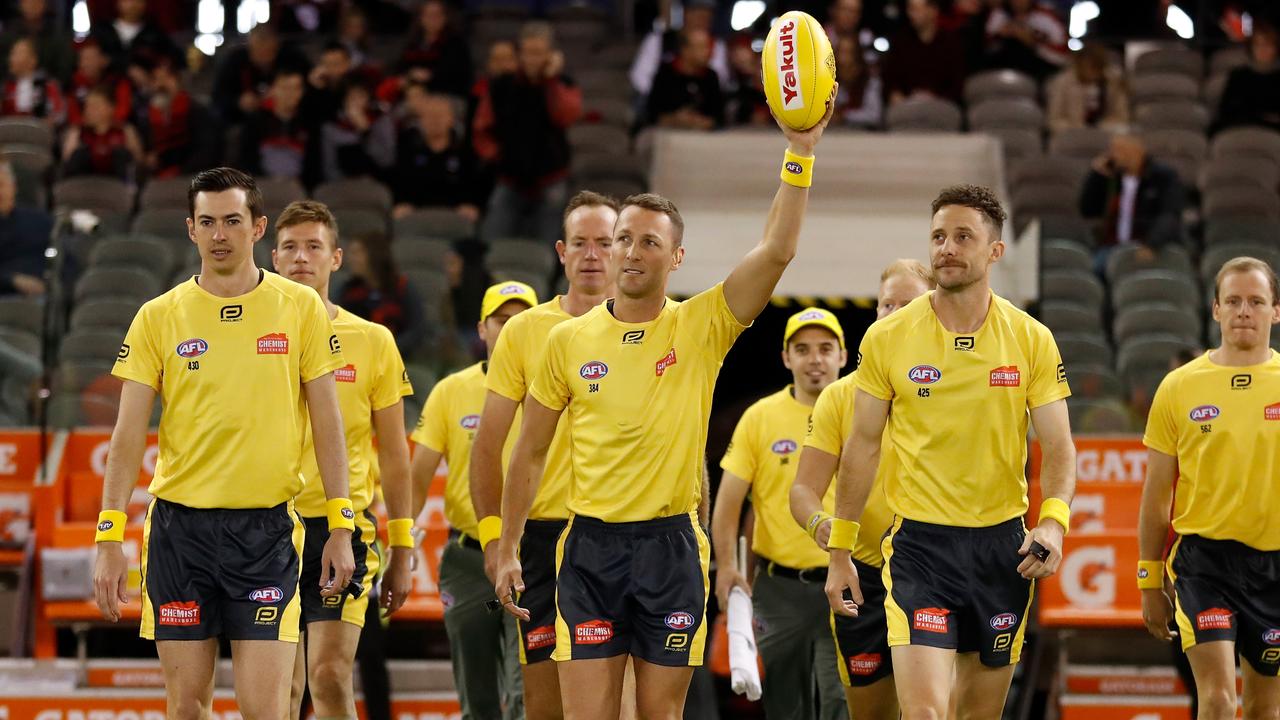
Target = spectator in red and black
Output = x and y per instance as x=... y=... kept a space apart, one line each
x=380 y=293
x=747 y=104
x=968 y=19
x=436 y=55
x=134 y=39
x=686 y=93
x=179 y=133
x=279 y=140
x=100 y=144
x=502 y=60
x=361 y=140
x=27 y=89
x=859 y=101
x=93 y=69
x=244 y=78
x=326 y=81
x=924 y=59
x=844 y=19
x=662 y=45
x=24 y=235
x=521 y=126
x=52 y=43
x=435 y=167
x=1027 y=37
x=353 y=34
x=1252 y=94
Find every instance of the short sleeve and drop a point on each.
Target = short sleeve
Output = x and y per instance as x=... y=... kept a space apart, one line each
x=873 y=364
x=548 y=385
x=392 y=381
x=1162 y=430
x=432 y=431
x=137 y=359
x=321 y=351
x=1048 y=374
x=506 y=374
x=713 y=314
x=740 y=457
x=824 y=423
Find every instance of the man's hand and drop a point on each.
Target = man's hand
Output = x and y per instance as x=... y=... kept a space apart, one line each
x=491 y=561
x=841 y=576
x=1102 y=165
x=1049 y=534
x=1157 y=613
x=802 y=142
x=397 y=581
x=337 y=564
x=468 y=211
x=727 y=578
x=110 y=580
x=508 y=577
x=29 y=285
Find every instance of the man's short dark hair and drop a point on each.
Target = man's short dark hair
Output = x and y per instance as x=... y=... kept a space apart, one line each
x=223 y=179
x=657 y=203
x=336 y=46
x=977 y=197
x=586 y=198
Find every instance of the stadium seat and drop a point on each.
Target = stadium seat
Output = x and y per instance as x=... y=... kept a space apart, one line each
x=1016 y=113
x=1247 y=141
x=356 y=194
x=614 y=111
x=441 y=223
x=114 y=282
x=1059 y=254
x=588 y=166
x=1092 y=380
x=32 y=159
x=22 y=340
x=104 y=313
x=421 y=252
x=1215 y=256
x=924 y=115
x=1018 y=144
x=1227 y=59
x=277 y=193
x=26 y=131
x=22 y=313
x=539 y=282
x=1073 y=285
x=140 y=252
x=1128 y=259
x=1155 y=317
x=1237 y=231
x=1236 y=171
x=1049 y=169
x=999 y=84
x=539 y=259
x=93 y=193
x=1176 y=60
x=1167 y=145
x=1049 y=197
x=1173 y=115
x=600 y=82
x=620 y=188
x=73 y=375
x=90 y=345
x=1157 y=87
x=165 y=194
x=1078 y=348
x=353 y=223
x=1066 y=316
x=168 y=224
x=1150 y=352
x=1156 y=286
x=1211 y=92
x=599 y=138
x=1067 y=227
x=1099 y=416
x=1241 y=202
x=1081 y=143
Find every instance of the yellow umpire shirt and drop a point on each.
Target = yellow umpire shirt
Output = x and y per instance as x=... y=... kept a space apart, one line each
x=515 y=356
x=230 y=372
x=448 y=426
x=638 y=396
x=829 y=428
x=764 y=452
x=960 y=409
x=372 y=379
x=1223 y=425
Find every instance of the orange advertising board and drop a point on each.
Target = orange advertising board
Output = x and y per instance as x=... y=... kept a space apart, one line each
x=150 y=705
x=1094 y=707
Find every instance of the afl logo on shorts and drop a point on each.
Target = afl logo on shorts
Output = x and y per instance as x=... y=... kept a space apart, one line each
x=1004 y=621
x=1205 y=413
x=470 y=422
x=193 y=348
x=267 y=595
x=784 y=447
x=1271 y=637
x=924 y=374
x=679 y=621
x=593 y=370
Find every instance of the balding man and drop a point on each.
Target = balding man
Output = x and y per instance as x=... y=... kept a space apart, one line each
x=1137 y=199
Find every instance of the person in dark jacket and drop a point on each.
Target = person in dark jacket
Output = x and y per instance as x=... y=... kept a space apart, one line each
x=686 y=91
x=53 y=44
x=520 y=126
x=1252 y=94
x=24 y=235
x=435 y=167
x=1136 y=199
x=436 y=56
x=244 y=75
x=279 y=140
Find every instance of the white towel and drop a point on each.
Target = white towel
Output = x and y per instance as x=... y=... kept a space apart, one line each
x=744 y=672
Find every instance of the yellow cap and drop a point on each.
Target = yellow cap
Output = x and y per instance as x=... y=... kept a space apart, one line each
x=807 y=317
x=498 y=295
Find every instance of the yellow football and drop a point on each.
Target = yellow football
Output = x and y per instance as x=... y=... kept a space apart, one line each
x=799 y=70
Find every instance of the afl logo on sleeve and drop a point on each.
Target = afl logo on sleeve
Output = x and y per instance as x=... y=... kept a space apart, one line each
x=924 y=374
x=192 y=348
x=784 y=447
x=470 y=422
x=593 y=370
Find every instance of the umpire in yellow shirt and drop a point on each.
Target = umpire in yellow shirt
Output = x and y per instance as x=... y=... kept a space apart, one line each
x=482 y=644
x=1214 y=428
x=790 y=607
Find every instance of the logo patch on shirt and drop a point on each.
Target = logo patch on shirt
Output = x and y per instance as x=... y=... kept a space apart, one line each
x=593 y=370
x=932 y=620
x=1204 y=413
x=345 y=374
x=784 y=447
x=231 y=313
x=864 y=664
x=179 y=613
x=193 y=348
x=633 y=337
x=273 y=344
x=924 y=374
x=1271 y=637
x=470 y=422
x=1241 y=381
x=540 y=637
x=1004 y=621
x=267 y=595
x=667 y=361
x=1271 y=412
x=1214 y=619
x=123 y=353
x=1006 y=376
x=964 y=343
x=593 y=632
x=679 y=621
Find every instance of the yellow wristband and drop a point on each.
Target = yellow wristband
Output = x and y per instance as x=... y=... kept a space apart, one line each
x=110 y=526
x=1150 y=575
x=490 y=530
x=844 y=534
x=400 y=533
x=1056 y=509
x=815 y=522
x=797 y=170
x=341 y=514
